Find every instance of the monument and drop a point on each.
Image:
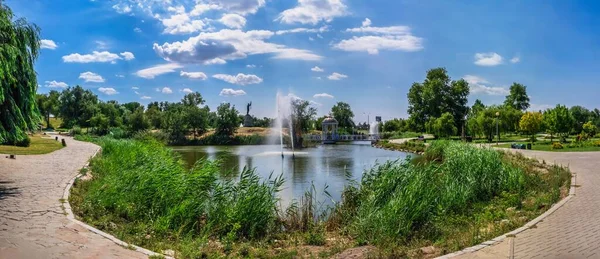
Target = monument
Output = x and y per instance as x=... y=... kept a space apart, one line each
x=248 y=118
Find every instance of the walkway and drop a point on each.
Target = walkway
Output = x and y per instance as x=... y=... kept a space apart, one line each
x=32 y=221
x=573 y=231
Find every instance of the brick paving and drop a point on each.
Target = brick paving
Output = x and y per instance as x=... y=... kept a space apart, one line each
x=32 y=220
x=573 y=231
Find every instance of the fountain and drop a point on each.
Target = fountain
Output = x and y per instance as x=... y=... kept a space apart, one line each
x=374 y=128
x=284 y=112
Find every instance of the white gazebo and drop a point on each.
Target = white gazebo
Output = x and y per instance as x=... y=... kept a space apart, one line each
x=329 y=134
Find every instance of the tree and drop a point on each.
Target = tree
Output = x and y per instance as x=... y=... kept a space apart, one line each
x=19 y=49
x=175 y=123
x=155 y=116
x=192 y=99
x=77 y=106
x=48 y=104
x=581 y=115
x=442 y=126
x=590 y=129
x=559 y=120
x=302 y=115
x=436 y=96
x=477 y=107
x=530 y=123
x=138 y=121
x=517 y=98
x=343 y=114
x=486 y=121
x=394 y=125
x=100 y=123
x=227 y=120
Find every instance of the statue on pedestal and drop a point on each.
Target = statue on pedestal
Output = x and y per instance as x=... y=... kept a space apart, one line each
x=248 y=118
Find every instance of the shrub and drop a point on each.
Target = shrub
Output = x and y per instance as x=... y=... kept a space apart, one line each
x=76 y=130
x=118 y=133
x=557 y=145
x=24 y=142
x=596 y=143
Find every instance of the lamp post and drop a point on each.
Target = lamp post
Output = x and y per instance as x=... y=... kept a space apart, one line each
x=368 y=122
x=497 y=131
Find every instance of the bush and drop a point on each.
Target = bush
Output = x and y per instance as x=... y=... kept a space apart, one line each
x=118 y=133
x=557 y=145
x=24 y=142
x=596 y=143
x=76 y=130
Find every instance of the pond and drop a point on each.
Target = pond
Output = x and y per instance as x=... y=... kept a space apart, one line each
x=333 y=166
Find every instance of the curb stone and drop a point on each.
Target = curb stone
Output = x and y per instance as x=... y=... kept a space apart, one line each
x=513 y=233
x=71 y=217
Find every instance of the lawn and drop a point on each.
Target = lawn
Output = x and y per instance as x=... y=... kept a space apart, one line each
x=547 y=146
x=40 y=144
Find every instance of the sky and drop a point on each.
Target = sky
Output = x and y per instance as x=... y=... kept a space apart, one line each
x=365 y=53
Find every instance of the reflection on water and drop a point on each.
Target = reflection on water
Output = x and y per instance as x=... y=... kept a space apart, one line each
x=326 y=165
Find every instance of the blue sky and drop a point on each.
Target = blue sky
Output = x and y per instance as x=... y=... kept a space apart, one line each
x=366 y=53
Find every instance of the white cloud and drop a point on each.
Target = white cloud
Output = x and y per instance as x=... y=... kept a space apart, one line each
x=135 y=88
x=127 y=55
x=250 y=66
x=96 y=56
x=397 y=38
x=478 y=85
x=539 y=107
x=366 y=22
x=235 y=21
x=187 y=90
x=91 y=77
x=242 y=7
x=55 y=84
x=108 y=90
x=239 y=79
x=138 y=30
x=136 y=92
x=336 y=76
x=166 y=90
x=231 y=92
x=193 y=75
x=515 y=60
x=228 y=45
x=122 y=8
x=311 y=38
x=151 y=72
x=488 y=59
x=48 y=44
x=202 y=8
x=323 y=95
x=181 y=23
x=119 y=75
x=145 y=97
x=315 y=103
x=317 y=69
x=101 y=44
x=299 y=30
x=313 y=11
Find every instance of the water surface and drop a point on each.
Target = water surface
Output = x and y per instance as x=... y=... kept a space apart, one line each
x=326 y=165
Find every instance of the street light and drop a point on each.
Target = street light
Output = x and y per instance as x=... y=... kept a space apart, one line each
x=368 y=123
x=497 y=131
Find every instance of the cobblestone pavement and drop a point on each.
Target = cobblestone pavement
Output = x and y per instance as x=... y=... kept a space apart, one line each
x=32 y=220
x=573 y=231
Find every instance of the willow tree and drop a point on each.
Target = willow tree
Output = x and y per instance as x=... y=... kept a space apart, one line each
x=19 y=48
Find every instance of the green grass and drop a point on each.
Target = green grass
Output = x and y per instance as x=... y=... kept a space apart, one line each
x=39 y=145
x=547 y=146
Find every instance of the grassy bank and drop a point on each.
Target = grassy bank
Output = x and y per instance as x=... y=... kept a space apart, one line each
x=456 y=197
x=407 y=146
x=582 y=146
x=40 y=144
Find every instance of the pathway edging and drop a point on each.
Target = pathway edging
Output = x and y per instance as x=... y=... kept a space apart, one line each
x=71 y=217
x=528 y=225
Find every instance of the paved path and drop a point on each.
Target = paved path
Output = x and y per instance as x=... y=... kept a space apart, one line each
x=573 y=231
x=32 y=221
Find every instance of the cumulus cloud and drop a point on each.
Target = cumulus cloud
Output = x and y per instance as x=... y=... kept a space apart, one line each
x=323 y=95
x=515 y=60
x=96 y=56
x=193 y=75
x=48 y=44
x=336 y=76
x=228 y=45
x=202 y=8
x=397 y=38
x=231 y=92
x=55 y=84
x=181 y=23
x=135 y=88
x=187 y=90
x=250 y=66
x=317 y=69
x=299 y=30
x=145 y=97
x=91 y=77
x=313 y=11
x=488 y=59
x=235 y=21
x=151 y=72
x=479 y=85
x=239 y=79
x=138 y=30
x=122 y=8
x=108 y=90
x=166 y=90
x=127 y=55
x=242 y=7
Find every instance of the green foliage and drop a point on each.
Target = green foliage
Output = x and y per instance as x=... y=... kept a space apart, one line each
x=147 y=186
x=435 y=96
x=24 y=142
x=581 y=115
x=19 y=49
x=530 y=123
x=302 y=116
x=559 y=121
x=590 y=129
x=443 y=126
x=138 y=121
x=557 y=145
x=518 y=98
x=48 y=104
x=76 y=130
x=77 y=107
x=227 y=120
x=342 y=112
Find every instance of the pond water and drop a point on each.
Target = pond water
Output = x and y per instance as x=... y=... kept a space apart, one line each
x=333 y=166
